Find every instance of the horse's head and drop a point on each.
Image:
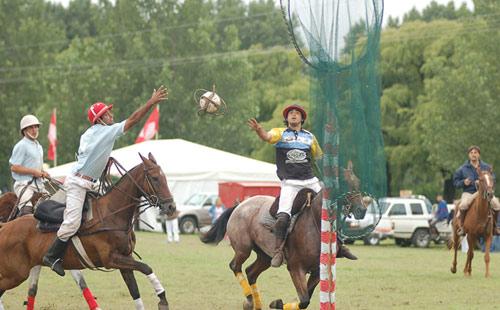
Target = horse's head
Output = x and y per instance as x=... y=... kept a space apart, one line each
x=486 y=183
x=155 y=186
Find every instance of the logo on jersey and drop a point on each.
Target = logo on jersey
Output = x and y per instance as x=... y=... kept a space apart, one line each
x=296 y=156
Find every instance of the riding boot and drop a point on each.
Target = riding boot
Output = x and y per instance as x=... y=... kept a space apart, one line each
x=460 y=230
x=496 y=230
x=53 y=257
x=279 y=231
x=343 y=251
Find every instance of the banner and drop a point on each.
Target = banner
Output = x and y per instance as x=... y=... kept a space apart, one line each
x=151 y=127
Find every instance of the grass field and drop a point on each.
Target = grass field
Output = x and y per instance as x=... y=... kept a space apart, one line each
x=197 y=276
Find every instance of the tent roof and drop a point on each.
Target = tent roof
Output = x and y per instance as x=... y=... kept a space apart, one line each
x=182 y=160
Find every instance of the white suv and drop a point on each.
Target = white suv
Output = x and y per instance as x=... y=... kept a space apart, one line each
x=410 y=221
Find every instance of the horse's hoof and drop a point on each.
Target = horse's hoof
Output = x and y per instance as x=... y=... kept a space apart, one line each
x=453 y=270
x=162 y=306
x=247 y=305
x=276 y=304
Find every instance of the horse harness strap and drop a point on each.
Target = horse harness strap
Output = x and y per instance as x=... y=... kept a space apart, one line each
x=83 y=257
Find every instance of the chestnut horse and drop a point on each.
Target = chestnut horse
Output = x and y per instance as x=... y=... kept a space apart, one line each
x=7 y=204
x=478 y=223
x=108 y=238
x=247 y=233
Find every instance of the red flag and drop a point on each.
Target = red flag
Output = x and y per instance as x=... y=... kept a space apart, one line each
x=52 y=137
x=151 y=127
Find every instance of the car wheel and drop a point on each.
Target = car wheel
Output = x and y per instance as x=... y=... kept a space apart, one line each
x=188 y=225
x=371 y=239
x=421 y=238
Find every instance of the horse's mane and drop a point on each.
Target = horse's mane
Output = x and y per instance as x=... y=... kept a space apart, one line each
x=109 y=185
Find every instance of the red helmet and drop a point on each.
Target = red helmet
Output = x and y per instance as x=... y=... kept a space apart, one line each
x=97 y=110
x=294 y=107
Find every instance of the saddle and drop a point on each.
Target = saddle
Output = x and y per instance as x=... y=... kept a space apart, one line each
x=50 y=212
x=298 y=203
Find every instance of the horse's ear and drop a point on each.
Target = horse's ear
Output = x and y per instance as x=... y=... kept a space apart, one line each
x=142 y=157
x=152 y=158
x=349 y=165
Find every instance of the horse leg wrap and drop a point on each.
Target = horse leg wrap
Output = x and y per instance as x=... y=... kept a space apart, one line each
x=291 y=306
x=87 y=294
x=30 y=305
x=247 y=290
x=156 y=284
x=139 y=305
x=257 y=302
x=1 y=305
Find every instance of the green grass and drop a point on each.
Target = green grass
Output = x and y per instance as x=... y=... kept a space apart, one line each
x=197 y=276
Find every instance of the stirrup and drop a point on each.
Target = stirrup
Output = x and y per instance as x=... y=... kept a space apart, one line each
x=277 y=260
x=55 y=266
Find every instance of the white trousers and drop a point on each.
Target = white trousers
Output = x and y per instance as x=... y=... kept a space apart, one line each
x=25 y=199
x=172 y=230
x=289 y=190
x=467 y=198
x=76 y=189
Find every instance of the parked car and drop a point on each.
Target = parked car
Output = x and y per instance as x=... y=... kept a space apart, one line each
x=410 y=221
x=193 y=213
x=382 y=230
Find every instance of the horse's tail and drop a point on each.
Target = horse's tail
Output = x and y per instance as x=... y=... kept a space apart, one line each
x=218 y=230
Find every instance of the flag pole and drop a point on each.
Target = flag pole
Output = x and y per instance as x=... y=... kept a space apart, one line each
x=158 y=129
x=55 y=146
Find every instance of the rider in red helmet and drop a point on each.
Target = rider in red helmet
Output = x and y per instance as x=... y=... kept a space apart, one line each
x=296 y=148
x=96 y=145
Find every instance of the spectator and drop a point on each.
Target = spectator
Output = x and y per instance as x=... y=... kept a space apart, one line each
x=440 y=215
x=216 y=209
x=172 y=227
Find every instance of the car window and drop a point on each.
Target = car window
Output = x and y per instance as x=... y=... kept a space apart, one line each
x=196 y=200
x=383 y=206
x=398 y=209
x=416 y=209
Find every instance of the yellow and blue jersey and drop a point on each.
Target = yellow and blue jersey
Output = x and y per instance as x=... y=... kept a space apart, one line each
x=294 y=152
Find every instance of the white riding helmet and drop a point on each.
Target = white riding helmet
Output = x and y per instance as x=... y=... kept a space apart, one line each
x=28 y=120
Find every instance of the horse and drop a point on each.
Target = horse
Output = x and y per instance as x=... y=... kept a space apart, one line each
x=246 y=232
x=108 y=238
x=478 y=223
x=8 y=202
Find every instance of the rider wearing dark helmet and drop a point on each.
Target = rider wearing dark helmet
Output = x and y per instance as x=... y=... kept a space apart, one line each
x=295 y=150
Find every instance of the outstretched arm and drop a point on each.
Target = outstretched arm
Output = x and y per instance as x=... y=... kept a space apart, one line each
x=253 y=124
x=159 y=95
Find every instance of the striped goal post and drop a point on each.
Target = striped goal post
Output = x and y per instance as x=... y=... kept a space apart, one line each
x=328 y=256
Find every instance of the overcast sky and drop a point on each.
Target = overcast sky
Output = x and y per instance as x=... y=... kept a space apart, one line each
x=395 y=8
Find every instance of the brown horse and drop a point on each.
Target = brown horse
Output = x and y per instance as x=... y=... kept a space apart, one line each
x=246 y=232
x=107 y=238
x=478 y=223
x=8 y=202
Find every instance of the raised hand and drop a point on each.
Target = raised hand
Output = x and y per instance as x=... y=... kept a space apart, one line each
x=158 y=95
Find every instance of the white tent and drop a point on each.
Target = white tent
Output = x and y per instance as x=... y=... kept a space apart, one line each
x=189 y=167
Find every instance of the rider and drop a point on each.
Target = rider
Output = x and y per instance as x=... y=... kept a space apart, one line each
x=295 y=150
x=466 y=177
x=96 y=145
x=26 y=164
x=441 y=214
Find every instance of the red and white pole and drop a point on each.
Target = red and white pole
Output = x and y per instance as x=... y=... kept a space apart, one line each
x=328 y=255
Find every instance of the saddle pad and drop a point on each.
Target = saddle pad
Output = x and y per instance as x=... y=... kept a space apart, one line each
x=52 y=211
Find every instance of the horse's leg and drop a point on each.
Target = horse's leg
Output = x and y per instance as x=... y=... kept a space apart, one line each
x=33 y=287
x=312 y=282
x=133 y=289
x=253 y=271
x=122 y=262
x=87 y=294
x=240 y=256
x=1 y=305
x=455 y=244
x=487 y=255
x=299 y=281
x=470 y=254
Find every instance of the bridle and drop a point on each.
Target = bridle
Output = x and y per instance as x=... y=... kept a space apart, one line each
x=151 y=200
x=485 y=184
